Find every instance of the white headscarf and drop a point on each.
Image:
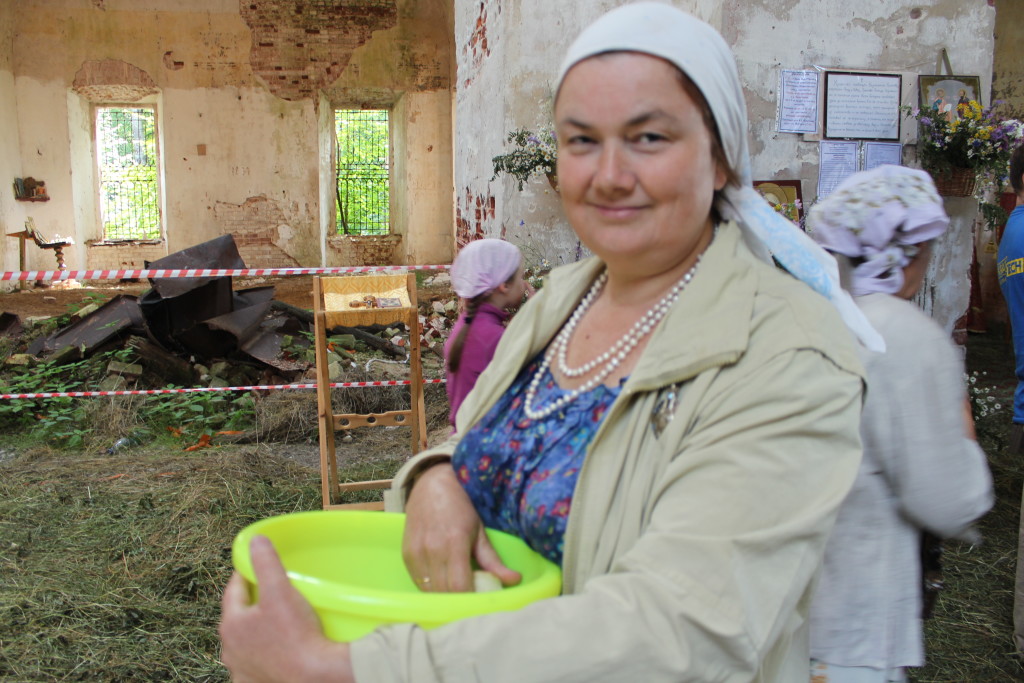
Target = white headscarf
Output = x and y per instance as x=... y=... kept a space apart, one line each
x=700 y=52
x=482 y=265
x=877 y=218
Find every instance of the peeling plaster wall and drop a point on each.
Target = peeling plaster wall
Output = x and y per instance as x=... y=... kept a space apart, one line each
x=12 y=214
x=230 y=144
x=409 y=69
x=424 y=200
x=875 y=35
x=1008 y=68
x=504 y=84
x=233 y=133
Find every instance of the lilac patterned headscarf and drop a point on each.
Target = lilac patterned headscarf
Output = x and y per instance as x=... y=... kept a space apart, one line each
x=482 y=265
x=700 y=52
x=877 y=218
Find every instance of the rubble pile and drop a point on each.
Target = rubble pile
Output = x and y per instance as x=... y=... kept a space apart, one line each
x=202 y=332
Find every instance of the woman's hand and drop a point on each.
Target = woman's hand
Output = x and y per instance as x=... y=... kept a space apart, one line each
x=443 y=534
x=279 y=638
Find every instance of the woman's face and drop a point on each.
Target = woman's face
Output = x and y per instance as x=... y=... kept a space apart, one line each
x=511 y=293
x=635 y=167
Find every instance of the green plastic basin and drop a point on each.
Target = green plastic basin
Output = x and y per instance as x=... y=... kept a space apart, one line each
x=348 y=564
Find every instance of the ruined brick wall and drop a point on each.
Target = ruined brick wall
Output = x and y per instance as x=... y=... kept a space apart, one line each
x=353 y=250
x=509 y=52
x=300 y=46
x=240 y=88
x=124 y=255
x=259 y=228
x=1007 y=88
x=112 y=80
x=473 y=216
x=12 y=213
x=1007 y=66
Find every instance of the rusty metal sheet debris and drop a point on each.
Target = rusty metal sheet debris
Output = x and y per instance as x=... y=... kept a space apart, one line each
x=220 y=252
x=171 y=317
x=117 y=318
x=219 y=335
x=199 y=318
x=265 y=344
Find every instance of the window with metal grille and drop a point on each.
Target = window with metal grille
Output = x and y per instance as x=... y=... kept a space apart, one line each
x=126 y=155
x=363 y=195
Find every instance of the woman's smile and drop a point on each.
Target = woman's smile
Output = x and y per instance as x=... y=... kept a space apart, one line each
x=618 y=213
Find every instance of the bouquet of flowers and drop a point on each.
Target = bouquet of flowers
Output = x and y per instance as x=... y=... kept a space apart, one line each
x=533 y=153
x=969 y=137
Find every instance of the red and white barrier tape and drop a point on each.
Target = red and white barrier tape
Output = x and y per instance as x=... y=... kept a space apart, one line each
x=49 y=275
x=259 y=387
x=60 y=275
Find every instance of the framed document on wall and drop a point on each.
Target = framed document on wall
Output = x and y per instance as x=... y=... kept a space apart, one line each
x=862 y=106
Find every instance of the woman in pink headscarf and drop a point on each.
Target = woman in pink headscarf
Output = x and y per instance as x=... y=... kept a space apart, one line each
x=922 y=469
x=488 y=276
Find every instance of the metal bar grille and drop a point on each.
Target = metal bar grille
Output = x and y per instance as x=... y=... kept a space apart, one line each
x=126 y=151
x=363 y=189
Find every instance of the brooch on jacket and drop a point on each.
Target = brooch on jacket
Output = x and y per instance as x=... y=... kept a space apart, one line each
x=664 y=410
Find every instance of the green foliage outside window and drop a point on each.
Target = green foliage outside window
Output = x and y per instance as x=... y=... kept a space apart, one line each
x=363 y=195
x=129 y=194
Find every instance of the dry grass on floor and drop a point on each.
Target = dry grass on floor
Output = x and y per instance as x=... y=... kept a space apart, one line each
x=111 y=561
x=969 y=640
x=108 y=561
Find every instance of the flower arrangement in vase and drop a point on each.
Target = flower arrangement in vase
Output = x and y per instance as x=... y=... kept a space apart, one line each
x=534 y=153
x=961 y=146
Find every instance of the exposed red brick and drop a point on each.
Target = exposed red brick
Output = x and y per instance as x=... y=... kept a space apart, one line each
x=254 y=227
x=123 y=255
x=309 y=34
x=483 y=210
x=477 y=48
x=171 y=63
x=112 y=80
x=363 y=250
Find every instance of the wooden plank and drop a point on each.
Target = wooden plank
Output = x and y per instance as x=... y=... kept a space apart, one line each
x=394 y=418
x=328 y=460
x=375 y=505
x=419 y=412
x=370 y=485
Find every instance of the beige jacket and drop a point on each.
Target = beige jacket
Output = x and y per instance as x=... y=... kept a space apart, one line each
x=688 y=555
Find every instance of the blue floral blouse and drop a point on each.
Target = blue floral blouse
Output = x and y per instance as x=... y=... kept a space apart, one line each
x=521 y=473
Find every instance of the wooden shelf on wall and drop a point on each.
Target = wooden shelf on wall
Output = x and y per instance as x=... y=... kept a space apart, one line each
x=32 y=199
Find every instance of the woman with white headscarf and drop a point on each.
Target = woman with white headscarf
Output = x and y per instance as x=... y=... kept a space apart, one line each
x=674 y=420
x=922 y=469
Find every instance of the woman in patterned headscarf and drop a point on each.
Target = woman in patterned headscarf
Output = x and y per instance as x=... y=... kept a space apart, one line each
x=673 y=421
x=921 y=470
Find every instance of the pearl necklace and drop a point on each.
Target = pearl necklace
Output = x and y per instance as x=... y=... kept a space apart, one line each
x=611 y=358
